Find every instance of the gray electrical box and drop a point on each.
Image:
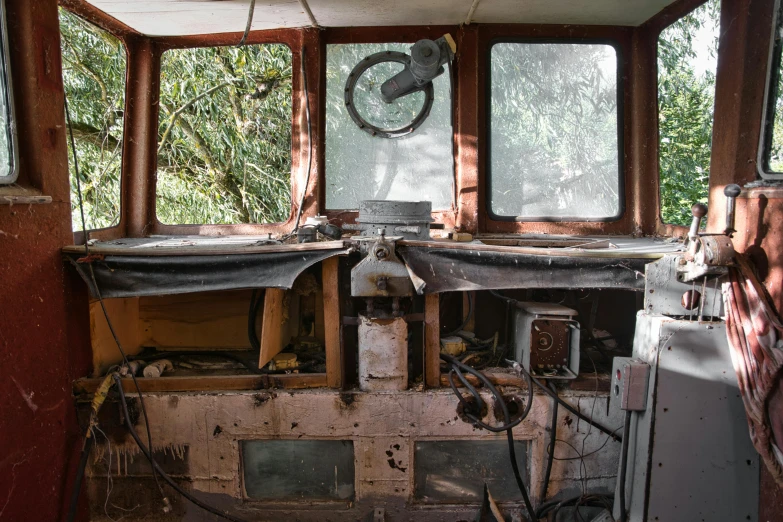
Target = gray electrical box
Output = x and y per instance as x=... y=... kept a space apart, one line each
x=546 y=340
x=629 y=383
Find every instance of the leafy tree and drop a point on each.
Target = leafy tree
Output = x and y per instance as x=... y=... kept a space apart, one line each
x=685 y=113
x=94 y=77
x=224 y=147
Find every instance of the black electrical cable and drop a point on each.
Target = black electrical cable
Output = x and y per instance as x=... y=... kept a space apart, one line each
x=457 y=366
x=95 y=283
x=77 y=485
x=564 y=404
x=467 y=318
x=594 y=500
x=507 y=427
x=551 y=448
x=156 y=466
x=624 y=465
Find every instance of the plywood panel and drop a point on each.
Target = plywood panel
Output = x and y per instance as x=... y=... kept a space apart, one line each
x=331 y=307
x=209 y=320
x=124 y=317
x=275 y=323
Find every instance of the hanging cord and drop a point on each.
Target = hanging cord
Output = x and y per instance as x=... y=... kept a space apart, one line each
x=128 y=424
x=457 y=367
x=249 y=23
x=612 y=433
x=551 y=447
x=624 y=465
x=97 y=291
x=309 y=145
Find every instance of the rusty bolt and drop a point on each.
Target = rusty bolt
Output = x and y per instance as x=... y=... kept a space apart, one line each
x=382 y=252
x=381 y=283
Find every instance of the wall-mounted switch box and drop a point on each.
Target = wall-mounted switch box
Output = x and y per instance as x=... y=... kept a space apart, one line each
x=630 y=378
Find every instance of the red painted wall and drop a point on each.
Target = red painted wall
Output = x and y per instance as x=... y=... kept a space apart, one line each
x=44 y=339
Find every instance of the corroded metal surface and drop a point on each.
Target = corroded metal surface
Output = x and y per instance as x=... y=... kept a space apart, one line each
x=383 y=354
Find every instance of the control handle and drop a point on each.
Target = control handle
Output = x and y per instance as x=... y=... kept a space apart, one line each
x=699 y=210
x=731 y=192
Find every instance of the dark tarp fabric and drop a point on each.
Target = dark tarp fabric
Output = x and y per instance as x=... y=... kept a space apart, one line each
x=755 y=334
x=435 y=270
x=133 y=276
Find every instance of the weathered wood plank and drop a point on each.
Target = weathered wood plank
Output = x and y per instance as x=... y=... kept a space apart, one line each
x=432 y=340
x=332 y=326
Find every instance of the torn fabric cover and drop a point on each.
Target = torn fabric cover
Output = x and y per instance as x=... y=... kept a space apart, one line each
x=133 y=276
x=755 y=334
x=435 y=270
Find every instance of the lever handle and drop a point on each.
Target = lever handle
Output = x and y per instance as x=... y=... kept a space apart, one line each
x=731 y=192
x=699 y=210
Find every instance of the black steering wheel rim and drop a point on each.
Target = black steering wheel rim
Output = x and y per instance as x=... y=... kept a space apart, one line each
x=369 y=128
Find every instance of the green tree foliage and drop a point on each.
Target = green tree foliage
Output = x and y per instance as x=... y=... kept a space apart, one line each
x=554 y=130
x=224 y=143
x=224 y=148
x=686 y=97
x=94 y=77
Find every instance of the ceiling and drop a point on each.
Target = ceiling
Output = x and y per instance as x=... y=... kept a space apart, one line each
x=187 y=17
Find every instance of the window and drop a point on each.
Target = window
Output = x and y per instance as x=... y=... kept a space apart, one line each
x=771 y=149
x=298 y=469
x=94 y=80
x=554 y=132
x=455 y=471
x=687 y=61
x=415 y=167
x=224 y=135
x=8 y=171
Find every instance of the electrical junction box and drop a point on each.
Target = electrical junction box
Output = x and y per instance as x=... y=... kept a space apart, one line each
x=546 y=340
x=629 y=383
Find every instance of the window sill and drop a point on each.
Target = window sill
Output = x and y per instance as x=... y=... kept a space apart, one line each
x=18 y=195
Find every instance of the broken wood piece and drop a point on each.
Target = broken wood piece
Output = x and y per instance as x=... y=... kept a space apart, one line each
x=273 y=325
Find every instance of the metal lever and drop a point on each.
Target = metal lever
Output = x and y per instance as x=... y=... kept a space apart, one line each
x=731 y=192
x=699 y=210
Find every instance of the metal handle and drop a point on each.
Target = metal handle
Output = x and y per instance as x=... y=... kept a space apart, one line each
x=699 y=210
x=731 y=192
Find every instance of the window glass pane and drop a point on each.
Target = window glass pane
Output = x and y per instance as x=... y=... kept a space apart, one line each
x=554 y=151
x=7 y=149
x=456 y=470
x=773 y=126
x=415 y=167
x=224 y=135
x=687 y=60
x=94 y=78
x=298 y=469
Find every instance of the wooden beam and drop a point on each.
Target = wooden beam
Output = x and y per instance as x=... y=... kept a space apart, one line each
x=273 y=326
x=432 y=340
x=209 y=383
x=332 y=326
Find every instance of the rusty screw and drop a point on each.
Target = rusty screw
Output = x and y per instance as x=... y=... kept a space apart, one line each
x=381 y=283
x=382 y=252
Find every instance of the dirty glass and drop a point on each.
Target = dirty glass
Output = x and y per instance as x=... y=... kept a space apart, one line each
x=298 y=469
x=94 y=65
x=224 y=135
x=456 y=470
x=687 y=61
x=772 y=139
x=415 y=167
x=7 y=148
x=554 y=145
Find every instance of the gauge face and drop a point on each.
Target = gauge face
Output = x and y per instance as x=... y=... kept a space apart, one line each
x=366 y=106
x=370 y=106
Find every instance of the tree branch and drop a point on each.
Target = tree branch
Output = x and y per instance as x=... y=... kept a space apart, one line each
x=176 y=114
